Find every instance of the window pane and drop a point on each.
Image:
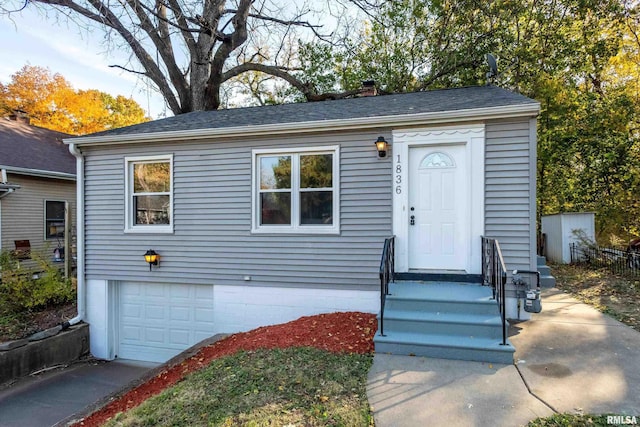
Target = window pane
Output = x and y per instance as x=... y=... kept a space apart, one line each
x=151 y=177
x=316 y=171
x=54 y=228
x=316 y=207
x=275 y=208
x=55 y=210
x=275 y=172
x=151 y=209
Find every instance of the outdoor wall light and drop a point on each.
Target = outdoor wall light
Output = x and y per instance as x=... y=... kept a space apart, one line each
x=151 y=257
x=381 y=146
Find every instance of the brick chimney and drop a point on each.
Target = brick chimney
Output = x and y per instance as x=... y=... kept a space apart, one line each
x=20 y=116
x=369 y=88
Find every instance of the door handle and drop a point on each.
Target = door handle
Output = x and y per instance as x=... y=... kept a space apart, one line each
x=412 y=220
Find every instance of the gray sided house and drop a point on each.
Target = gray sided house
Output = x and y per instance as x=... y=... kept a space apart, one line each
x=261 y=215
x=38 y=177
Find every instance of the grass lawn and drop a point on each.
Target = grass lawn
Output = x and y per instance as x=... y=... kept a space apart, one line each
x=298 y=386
x=568 y=420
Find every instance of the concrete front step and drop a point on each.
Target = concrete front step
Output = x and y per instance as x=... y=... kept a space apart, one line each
x=546 y=279
x=544 y=270
x=443 y=323
x=445 y=320
x=445 y=347
x=547 y=282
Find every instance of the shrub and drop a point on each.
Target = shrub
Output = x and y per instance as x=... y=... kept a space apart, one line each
x=27 y=288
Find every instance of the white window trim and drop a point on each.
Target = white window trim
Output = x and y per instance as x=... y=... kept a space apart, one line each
x=44 y=214
x=295 y=228
x=129 y=224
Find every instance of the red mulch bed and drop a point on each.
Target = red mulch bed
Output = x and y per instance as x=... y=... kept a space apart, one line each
x=350 y=332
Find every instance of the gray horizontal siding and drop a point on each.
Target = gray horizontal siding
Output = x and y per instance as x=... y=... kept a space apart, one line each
x=212 y=240
x=508 y=195
x=23 y=211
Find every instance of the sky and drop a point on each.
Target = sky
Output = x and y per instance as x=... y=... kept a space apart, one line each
x=28 y=37
x=81 y=58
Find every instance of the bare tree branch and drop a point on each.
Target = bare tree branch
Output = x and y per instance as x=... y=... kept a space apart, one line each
x=20 y=9
x=128 y=70
x=164 y=48
x=106 y=17
x=238 y=37
x=183 y=26
x=209 y=33
x=305 y=88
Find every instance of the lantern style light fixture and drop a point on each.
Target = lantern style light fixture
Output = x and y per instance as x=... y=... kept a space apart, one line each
x=151 y=257
x=381 y=146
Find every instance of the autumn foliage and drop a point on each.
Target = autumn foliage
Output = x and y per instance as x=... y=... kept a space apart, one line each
x=51 y=102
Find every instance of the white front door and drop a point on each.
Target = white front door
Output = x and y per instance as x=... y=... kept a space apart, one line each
x=438 y=207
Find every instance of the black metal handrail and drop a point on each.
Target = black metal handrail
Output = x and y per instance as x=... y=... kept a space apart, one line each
x=386 y=276
x=494 y=274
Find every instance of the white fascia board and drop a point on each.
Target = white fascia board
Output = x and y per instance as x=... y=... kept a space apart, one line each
x=453 y=116
x=39 y=173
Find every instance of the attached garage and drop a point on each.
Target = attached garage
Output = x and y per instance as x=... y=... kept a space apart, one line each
x=158 y=321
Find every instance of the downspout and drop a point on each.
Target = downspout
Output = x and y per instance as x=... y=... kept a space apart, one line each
x=80 y=237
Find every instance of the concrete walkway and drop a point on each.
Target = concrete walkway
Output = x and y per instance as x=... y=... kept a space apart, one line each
x=569 y=358
x=578 y=359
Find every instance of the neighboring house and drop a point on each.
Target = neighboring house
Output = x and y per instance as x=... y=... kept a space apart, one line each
x=38 y=177
x=264 y=214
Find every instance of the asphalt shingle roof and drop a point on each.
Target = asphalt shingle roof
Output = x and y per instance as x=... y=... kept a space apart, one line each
x=32 y=147
x=375 y=106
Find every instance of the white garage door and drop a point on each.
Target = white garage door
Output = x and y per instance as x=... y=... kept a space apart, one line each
x=158 y=321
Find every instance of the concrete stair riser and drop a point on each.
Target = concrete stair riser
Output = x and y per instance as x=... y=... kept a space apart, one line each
x=487 y=307
x=544 y=270
x=547 y=282
x=429 y=347
x=444 y=324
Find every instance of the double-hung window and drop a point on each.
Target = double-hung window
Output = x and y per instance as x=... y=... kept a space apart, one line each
x=296 y=190
x=149 y=194
x=53 y=219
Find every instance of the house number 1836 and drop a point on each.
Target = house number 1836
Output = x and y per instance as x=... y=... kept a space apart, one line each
x=398 y=179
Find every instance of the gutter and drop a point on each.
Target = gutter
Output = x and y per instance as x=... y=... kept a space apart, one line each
x=39 y=173
x=80 y=238
x=395 y=121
